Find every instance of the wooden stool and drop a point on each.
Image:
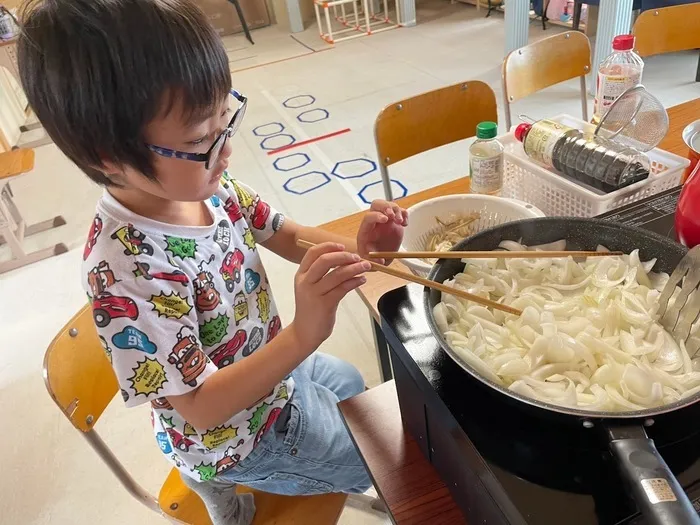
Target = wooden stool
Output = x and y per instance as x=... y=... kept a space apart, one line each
x=80 y=380
x=13 y=228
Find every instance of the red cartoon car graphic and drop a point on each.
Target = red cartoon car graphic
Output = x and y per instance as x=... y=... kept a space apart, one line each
x=133 y=241
x=106 y=307
x=224 y=354
x=274 y=414
x=233 y=210
x=229 y=461
x=274 y=328
x=188 y=357
x=260 y=214
x=95 y=230
x=179 y=441
x=231 y=268
x=176 y=276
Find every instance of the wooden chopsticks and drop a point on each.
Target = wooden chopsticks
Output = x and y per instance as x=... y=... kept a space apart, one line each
x=431 y=284
x=498 y=254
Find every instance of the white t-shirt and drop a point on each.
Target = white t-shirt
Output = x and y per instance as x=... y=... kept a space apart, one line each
x=173 y=304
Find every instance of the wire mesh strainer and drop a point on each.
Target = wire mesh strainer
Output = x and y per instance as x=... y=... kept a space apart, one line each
x=636 y=119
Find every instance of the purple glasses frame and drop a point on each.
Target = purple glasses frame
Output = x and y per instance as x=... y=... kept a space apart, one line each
x=210 y=157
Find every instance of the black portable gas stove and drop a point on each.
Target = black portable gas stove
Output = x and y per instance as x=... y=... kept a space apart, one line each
x=502 y=467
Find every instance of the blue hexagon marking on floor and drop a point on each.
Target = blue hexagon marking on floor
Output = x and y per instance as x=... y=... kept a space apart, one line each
x=312 y=115
x=306 y=182
x=300 y=101
x=291 y=162
x=266 y=130
x=353 y=168
x=277 y=141
x=374 y=191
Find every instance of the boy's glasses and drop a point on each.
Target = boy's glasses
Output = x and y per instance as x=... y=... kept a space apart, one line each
x=210 y=157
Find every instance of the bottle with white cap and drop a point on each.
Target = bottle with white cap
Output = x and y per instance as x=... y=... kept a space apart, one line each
x=621 y=70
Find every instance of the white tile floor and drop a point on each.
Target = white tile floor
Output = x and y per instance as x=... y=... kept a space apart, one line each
x=49 y=473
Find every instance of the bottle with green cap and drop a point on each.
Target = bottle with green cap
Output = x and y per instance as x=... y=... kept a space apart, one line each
x=486 y=160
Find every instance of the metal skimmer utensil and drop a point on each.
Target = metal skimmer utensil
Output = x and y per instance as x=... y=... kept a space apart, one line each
x=680 y=318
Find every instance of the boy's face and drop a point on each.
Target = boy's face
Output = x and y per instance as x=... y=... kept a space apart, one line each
x=180 y=179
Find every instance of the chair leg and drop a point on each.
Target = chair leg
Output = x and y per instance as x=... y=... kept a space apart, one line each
x=237 y=5
x=578 y=7
x=697 y=75
x=386 y=182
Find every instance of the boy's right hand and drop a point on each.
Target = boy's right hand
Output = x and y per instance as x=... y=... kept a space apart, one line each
x=326 y=274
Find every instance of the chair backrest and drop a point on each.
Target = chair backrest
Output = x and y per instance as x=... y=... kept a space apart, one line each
x=430 y=120
x=545 y=63
x=78 y=374
x=668 y=29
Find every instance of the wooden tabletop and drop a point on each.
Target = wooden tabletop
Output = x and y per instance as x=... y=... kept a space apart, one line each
x=378 y=284
x=407 y=483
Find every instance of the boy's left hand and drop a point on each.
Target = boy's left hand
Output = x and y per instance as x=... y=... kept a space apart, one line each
x=381 y=229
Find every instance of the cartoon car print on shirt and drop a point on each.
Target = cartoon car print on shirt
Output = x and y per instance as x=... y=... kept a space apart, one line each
x=100 y=278
x=233 y=210
x=176 y=276
x=260 y=214
x=274 y=328
x=225 y=353
x=95 y=230
x=133 y=241
x=106 y=307
x=188 y=357
x=161 y=403
x=207 y=297
x=240 y=308
x=179 y=441
x=229 y=461
x=274 y=414
x=231 y=268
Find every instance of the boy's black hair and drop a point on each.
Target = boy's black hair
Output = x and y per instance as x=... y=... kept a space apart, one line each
x=96 y=72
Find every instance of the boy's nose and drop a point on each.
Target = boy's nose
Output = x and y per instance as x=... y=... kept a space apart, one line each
x=226 y=150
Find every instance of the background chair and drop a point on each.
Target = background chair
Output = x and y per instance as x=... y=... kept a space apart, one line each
x=13 y=228
x=430 y=120
x=80 y=380
x=667 y=30
x=545 y=63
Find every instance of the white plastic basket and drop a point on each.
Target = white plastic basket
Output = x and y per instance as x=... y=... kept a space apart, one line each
x=556 y=195
x=493 y=211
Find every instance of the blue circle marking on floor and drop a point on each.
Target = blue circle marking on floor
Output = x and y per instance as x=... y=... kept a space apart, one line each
x=277 y=141
x=397 y=187
x=312 y=115
x=302 y=184
x=299 y=101
x=267 y=130
x=353 y=168
x=291 y=162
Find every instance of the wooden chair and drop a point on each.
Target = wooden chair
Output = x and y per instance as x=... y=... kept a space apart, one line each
x=545 y=63
x=13 y=228
x=430 y=120
x=80 y=380
x=667 y=30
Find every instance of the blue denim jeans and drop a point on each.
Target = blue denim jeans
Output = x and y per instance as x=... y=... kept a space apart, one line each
x=309 y=451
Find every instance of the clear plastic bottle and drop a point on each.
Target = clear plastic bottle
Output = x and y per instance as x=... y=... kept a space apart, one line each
x=486 y=160
x=621 y=70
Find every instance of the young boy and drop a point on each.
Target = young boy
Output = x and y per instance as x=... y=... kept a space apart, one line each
x=138 y=94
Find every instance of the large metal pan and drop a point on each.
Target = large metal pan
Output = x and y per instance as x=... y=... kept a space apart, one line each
x=655 y=489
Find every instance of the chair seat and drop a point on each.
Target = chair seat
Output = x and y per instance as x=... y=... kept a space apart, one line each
x=16 y=162
x=179 y=502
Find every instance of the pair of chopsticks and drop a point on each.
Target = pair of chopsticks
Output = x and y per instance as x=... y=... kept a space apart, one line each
x=500 y=254
x=430 y=284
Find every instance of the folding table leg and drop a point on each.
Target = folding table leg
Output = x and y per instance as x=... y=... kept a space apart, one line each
x=237 y=5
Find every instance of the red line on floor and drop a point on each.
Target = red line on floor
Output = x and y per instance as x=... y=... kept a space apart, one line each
x=309 y=141
x=282 y=60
